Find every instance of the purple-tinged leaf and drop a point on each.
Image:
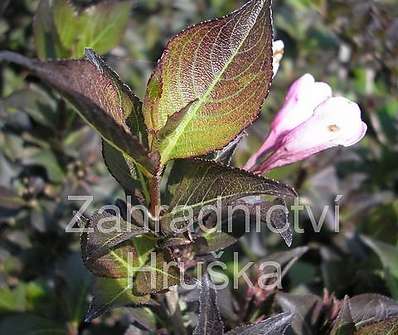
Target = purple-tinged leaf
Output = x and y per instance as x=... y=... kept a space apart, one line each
x=275 y=325
x=286 y=259
x=371 y=308
x=279 y=218
x=158 y=274
x=307 y=310
x=204 y=183
x=387 y=327
x=209 y=322
x=264 y=272
x=102 y=100
x=220 y=239
x=103 y=233
x=122 y=167
x=344 y=324
x=226 y=66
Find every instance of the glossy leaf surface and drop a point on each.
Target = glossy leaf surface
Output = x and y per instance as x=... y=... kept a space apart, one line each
x=344 y=324
x=225 y=66
x=387 y=327
x=101 y=99
x=160 y=273
x=104 y=233
x=275 y=325
x=203 y=183
x=209 y=322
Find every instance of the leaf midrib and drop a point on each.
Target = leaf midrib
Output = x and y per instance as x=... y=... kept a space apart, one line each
x=166 y=152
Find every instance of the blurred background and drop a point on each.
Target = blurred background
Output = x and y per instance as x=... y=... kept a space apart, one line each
x=47 y=153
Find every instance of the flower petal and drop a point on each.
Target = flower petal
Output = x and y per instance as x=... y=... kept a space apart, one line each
x=303 y=97
x=335 y=122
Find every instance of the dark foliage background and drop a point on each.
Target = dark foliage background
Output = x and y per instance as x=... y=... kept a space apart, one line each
x=47 y=153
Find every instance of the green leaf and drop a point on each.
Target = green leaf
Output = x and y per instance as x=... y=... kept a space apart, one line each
x=119 y=262
x=74 y=293
x=33 y=102
x=49 y=161
x=101 y=99
x=226 y=66
x=110 y=293
x=47 y=42
x=203 y=183
x=100 y=26
x=28 y=324
x=13 y=300
x=173 y=122
x=388 y=255
x=215 y=240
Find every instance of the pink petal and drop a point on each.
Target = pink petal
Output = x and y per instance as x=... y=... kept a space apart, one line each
x=303 y=97
x=335 y=122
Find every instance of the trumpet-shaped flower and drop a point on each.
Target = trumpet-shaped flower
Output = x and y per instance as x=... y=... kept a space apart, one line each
x=310 y=121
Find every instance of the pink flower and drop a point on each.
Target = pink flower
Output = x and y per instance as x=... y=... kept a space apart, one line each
x=310 y=121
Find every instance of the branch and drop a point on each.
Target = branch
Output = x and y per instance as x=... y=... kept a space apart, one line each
x=16 y=58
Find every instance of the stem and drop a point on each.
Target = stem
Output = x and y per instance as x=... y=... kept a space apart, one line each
x=154 y=191
x=13 y=57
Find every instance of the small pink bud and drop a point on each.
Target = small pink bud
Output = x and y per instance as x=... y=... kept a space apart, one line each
x=337 y=121
x=278 y=49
